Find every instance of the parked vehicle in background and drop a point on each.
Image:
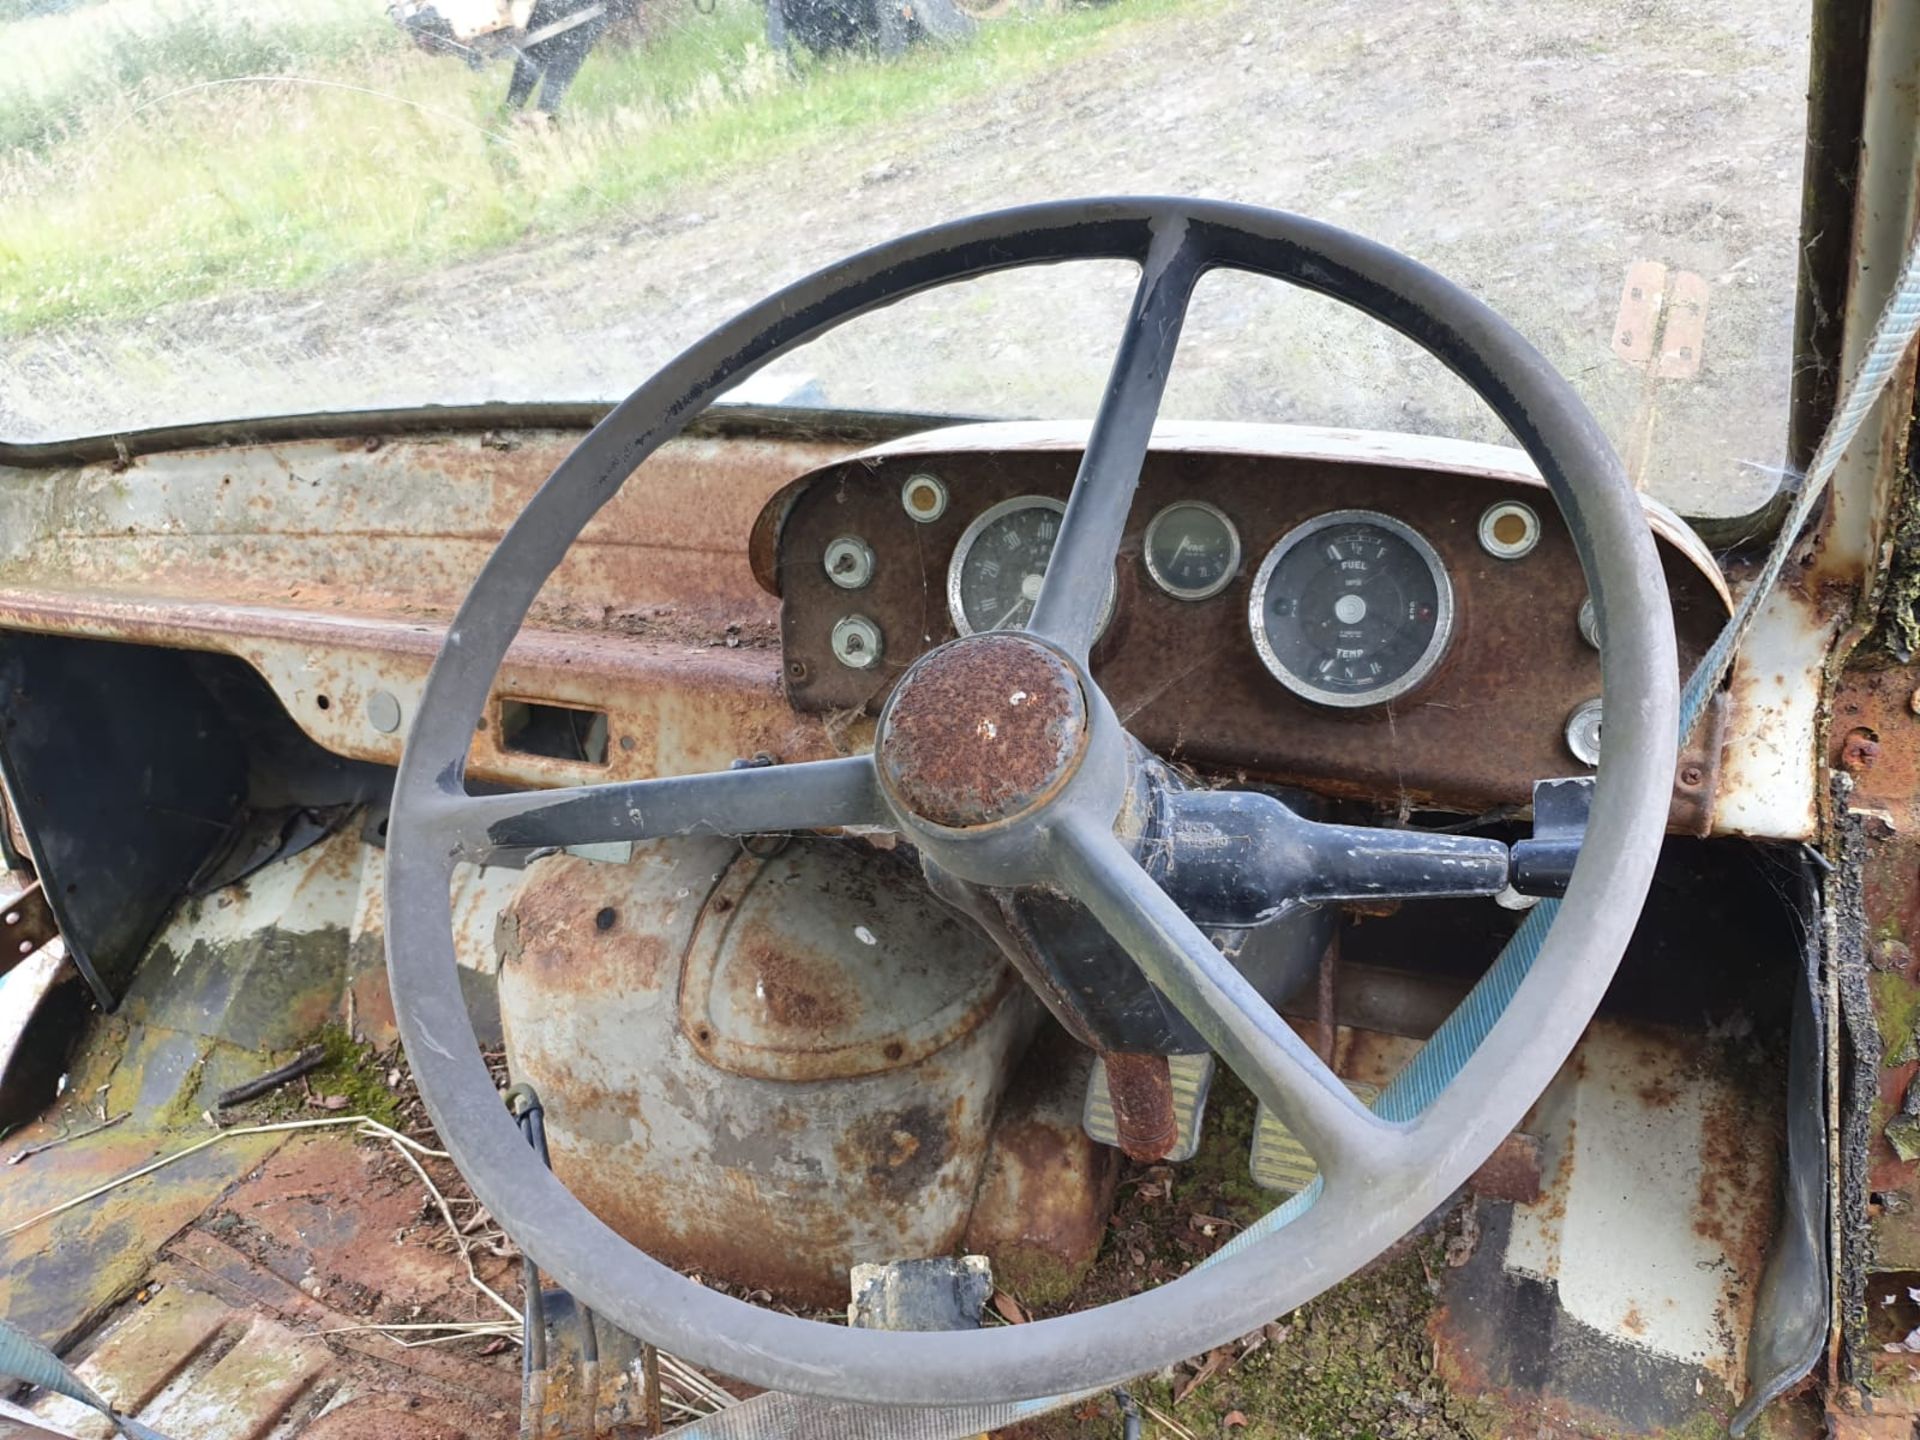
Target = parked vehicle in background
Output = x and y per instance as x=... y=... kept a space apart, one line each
x=886 y=27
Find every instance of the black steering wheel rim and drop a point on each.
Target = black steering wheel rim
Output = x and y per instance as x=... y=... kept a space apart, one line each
x=1488 y=1095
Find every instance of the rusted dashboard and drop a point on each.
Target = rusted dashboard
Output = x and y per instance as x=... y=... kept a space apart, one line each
x=1208 y=655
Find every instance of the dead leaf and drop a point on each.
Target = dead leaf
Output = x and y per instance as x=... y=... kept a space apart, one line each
x=1215 y=1360
x=1009 y=1308
x=1233 y=1419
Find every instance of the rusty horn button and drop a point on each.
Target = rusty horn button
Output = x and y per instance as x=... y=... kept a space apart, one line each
x=982 y=730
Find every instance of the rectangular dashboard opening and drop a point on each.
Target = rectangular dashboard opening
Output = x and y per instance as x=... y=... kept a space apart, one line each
x=555 y=732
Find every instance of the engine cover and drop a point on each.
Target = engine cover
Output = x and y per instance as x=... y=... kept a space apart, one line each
x=767 y=1068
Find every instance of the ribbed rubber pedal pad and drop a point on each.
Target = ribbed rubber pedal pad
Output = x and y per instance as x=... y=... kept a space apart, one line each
x=1279 y=1161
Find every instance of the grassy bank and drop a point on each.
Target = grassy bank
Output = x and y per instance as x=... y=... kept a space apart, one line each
x=150 y=155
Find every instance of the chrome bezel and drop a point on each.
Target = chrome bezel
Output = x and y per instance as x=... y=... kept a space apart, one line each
x=1500 y=549
x=1417 y=672
x=936 y=484
x=964 y=547
x=873 y=640
x=862 y=554
x=1180 y=592
x=1586 y=713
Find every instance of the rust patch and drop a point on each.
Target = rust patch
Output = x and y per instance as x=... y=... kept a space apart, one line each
x=900 y=1152
x=1047 y=1188
x=1859 y=749
x=400 y=1417
x=1143 y=1116
x=982 y=730
x=1512 y=1172
x=553 y=926
x=1875 y=737
x=1659 y=1093
x=293 y=1219
x=800 y=992
x=26 y=922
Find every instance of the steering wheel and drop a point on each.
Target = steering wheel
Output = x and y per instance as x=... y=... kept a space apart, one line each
x=1047 y=798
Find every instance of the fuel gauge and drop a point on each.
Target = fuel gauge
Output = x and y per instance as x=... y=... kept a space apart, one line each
x=1192 y=550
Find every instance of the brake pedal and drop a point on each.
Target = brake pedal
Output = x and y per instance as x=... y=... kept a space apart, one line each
x=1281 y=1162
x=1192 y=1077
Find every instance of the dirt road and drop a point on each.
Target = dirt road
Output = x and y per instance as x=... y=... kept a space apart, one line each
x=1533 y=152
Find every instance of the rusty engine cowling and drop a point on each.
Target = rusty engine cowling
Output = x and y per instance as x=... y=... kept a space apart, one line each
x=767 y=1069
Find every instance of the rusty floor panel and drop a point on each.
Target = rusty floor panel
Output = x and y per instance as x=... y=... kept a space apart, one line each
x=243 y=1326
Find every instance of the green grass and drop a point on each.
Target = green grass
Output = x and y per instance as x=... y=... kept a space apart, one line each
x=142 y=167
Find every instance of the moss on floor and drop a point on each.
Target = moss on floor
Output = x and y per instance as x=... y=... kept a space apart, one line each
x=1356 y=1362
x=354 y=1069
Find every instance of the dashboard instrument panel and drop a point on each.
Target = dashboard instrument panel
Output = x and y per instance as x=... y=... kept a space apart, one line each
x=1394 y=618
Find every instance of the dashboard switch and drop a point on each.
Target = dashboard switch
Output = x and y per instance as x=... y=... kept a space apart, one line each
x=849 y=562
x=857 y=642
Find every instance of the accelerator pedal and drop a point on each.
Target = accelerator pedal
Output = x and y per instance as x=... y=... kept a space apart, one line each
x=1279 y=1161
x=1192 y=1077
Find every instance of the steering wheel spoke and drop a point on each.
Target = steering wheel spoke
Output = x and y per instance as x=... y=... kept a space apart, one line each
x=1347 y=1139
x=1074 y=591
x=813 y=795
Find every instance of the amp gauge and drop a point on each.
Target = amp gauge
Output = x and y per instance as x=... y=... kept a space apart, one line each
x=1192 y=550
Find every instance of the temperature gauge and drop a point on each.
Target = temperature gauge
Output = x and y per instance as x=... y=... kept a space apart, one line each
x=1192 y=550
x=1351 y=608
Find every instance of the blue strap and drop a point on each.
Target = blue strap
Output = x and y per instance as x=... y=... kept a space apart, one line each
x=24 y=1358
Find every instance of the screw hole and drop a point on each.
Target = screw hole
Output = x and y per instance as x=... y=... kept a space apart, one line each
x=323 y=702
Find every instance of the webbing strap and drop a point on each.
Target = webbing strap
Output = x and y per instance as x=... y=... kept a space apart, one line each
x=25 y=1359
x=1430 y=1070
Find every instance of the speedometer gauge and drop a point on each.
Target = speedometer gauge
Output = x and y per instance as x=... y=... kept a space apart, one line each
x=1001 y=559
x=1351 y=608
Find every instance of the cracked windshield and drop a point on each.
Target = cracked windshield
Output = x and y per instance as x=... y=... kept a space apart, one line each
x=219 y=210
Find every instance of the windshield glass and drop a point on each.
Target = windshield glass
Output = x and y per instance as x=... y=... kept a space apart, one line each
x=214 y=211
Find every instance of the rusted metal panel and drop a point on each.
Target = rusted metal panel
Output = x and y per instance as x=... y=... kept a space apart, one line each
x=1682 y=337
x=139 y=1355
x=1622 y=1296
x=775 y=1183
x=1847 y=1425
x=672 y=708
x=1875 y=738
x=1184 y=676
x=202 y=1259
x=26 y=922
x=333 y=565
x=1638 y=323
x=774 y=990
x=401 y=527
x=1047 y=1189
